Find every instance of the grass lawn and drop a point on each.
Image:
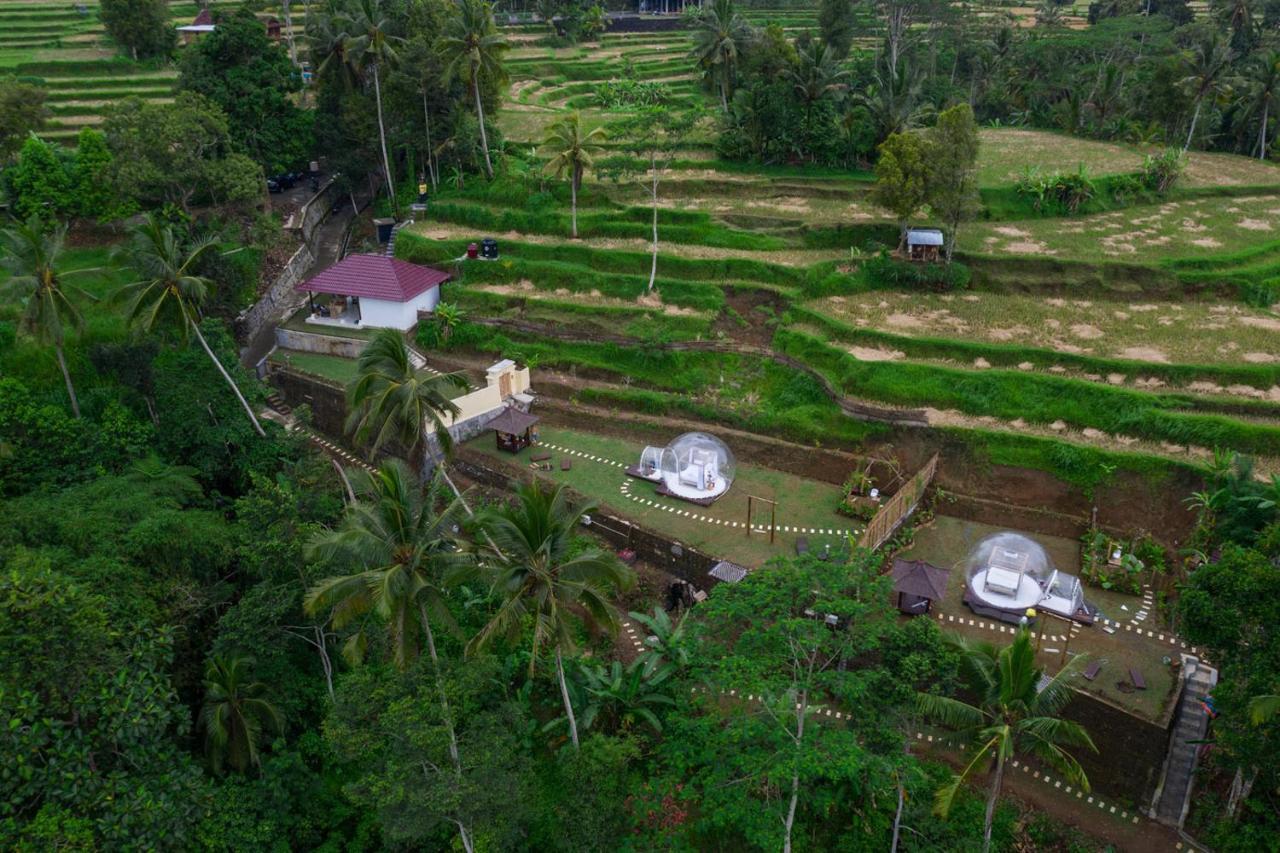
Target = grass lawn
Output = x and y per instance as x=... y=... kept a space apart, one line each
x=947 y=542
x=331 y=367
x=1180 y=332
x=1006 y=153
x=1143 y=234
x=719 y=530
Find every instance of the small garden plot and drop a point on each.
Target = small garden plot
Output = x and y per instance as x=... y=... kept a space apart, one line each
x=947 y=542
x=1181 y=332
x=332 y=368
x=806 y=508
x=1146 y=233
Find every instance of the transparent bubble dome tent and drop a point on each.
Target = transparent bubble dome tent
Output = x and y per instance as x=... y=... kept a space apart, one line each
x=1009 y=573
x=695 y=466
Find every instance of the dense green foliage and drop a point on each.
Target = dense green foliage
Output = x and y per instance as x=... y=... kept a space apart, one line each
x=251 y=79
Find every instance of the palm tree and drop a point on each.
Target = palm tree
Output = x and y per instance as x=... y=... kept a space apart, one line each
x=168 y=290
x=720 y=36
x=391 y=400
x=401 y=552
x=1262 y=96
x=31 y=257
x=1207 y=67
x=1013 y=714
x=573 y=152
x=473 y=49
x=1263 y=707
x=819 y=74
x=540 y=575
x=328 y=37
x=894 y=103
x=371 y=45
x=235 y=713
x=404 y=560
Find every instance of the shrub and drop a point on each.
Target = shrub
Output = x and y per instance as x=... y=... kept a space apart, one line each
x=884 y=271
x=1057 y=190
x=1161 y=171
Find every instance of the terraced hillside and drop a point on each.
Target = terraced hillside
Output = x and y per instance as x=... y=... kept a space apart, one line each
x=68 y=52
x=1138 y=329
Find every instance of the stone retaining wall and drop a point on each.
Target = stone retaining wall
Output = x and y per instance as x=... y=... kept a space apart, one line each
x=279 y=300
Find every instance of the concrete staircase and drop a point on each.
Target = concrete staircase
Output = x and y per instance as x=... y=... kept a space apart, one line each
x=1173 y=797
x=391 y=243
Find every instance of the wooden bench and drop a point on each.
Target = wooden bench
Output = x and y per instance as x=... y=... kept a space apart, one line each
x=566 y=464
x=1137 y=679
x=802 y=546
x=1092 y=671
x=541 y=456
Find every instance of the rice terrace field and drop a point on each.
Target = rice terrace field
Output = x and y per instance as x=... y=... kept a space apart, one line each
x=981 y=298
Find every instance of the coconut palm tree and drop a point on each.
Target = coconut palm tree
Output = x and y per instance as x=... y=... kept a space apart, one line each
x=1262 y=96
x=1262 y=708
x=328 y=37
x=571 y=151
x=235 y=714
x=819 y=74
x=403 y=561
x=371 y=45
x=168 y=290
x=473 y=50
x=1207 y=68
x=1013 y=715
x=720 y=36
x=31 y=255
x=540 y=575
x=392 y=400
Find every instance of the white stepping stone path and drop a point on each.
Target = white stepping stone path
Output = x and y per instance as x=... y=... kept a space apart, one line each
x=625 y=491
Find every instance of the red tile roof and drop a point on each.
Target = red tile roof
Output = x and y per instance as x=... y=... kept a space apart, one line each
x=376 y=277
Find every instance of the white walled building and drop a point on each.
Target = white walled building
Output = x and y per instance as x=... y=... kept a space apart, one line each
x=372 y=291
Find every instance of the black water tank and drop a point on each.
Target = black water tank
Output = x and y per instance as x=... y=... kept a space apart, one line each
x=489 y=248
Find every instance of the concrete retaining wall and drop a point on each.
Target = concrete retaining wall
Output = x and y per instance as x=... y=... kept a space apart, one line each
x=314 y=211
x=319 y=343
x=279 y=300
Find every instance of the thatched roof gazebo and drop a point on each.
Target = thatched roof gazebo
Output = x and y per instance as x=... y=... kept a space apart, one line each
x=918 y=585
x=511 y=429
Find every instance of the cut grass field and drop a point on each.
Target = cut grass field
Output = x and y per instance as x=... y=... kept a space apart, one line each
x=1198 y=227
x=333 y=368
x=801 y=502
x=1188 y=332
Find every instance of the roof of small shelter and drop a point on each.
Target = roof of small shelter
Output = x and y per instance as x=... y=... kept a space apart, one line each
x=924 y=237
x=203 y=19
x=513 y=421
x=375 y=277
x=727 y=572
x=916 y=577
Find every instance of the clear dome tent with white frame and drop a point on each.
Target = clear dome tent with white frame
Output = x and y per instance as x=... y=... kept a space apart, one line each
x=1009 y=573
x=695 y=466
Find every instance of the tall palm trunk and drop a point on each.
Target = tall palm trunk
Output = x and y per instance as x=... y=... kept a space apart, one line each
x=431 y=151
x=66 y=377
x=573 y=199
x=653 y=268
x=382 y=137
x=1191 y=131
x=484 y=137
x=568 y=705
x=991 y=801
x=463 y=832
x=248 y=410
x=1262 y=133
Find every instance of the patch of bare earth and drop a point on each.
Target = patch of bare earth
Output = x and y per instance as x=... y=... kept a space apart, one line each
x=874 y=354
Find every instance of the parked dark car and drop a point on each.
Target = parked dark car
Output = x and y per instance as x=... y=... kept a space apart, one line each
x=286 y=180
x=273 y=186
